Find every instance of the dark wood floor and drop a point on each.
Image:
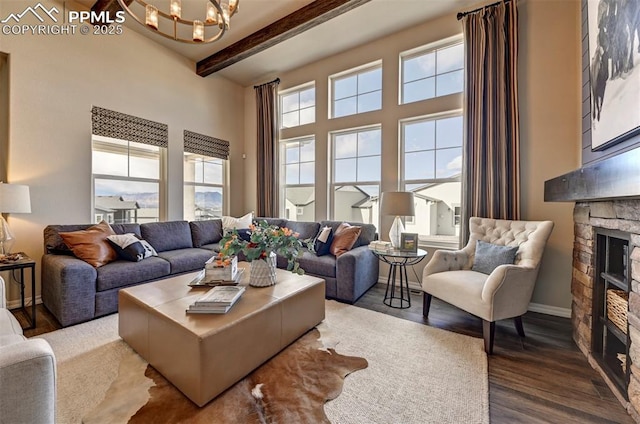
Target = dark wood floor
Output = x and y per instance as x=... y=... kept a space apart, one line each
x=543 y=378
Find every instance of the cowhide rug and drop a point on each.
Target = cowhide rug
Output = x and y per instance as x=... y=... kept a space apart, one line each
x=292 y=387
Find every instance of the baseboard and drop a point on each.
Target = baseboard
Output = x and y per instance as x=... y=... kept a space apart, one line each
x=550 y=310
x=13 y=304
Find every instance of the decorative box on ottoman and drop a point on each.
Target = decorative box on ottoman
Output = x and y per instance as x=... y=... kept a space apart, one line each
x=221 y=268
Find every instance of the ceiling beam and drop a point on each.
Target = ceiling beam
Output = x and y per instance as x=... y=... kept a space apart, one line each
x=291 y=25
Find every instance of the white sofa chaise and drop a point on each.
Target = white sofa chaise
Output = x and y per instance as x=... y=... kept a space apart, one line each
x=27 y=373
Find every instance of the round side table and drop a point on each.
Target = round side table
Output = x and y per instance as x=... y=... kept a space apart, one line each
x=398 y=261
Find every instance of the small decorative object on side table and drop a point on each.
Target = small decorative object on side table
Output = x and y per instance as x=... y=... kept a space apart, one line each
x=398 y=261
x=21 y=261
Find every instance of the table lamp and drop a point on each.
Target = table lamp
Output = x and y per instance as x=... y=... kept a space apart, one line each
x=14 y=198
x=398 y=204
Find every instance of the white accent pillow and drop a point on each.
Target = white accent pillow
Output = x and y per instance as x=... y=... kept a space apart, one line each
x=229 y=222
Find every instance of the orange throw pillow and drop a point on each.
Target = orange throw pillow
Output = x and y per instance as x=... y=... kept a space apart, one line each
x=344 y=239
x=91 y=245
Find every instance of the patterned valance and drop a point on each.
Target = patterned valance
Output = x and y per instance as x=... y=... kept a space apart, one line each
x=108 y=123
x=205 y=145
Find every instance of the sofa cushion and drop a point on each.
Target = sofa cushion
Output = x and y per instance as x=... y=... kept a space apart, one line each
x=305 y=230
x=91 y=244
x=367 y=233
x=318 y=265
x=278 y=222
x=169 y=235
x=124 y=273
x=206 y=232
x=11 y=339
x=344 y=238
x=490 y=256
x=214 y=247
x=9 y=325
x=185 y=260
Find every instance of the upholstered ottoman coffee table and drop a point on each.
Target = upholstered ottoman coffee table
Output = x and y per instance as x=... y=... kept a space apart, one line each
x=204 y=354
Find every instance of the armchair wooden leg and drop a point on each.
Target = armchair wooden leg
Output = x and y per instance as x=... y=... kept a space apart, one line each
x=426 y=304
x=488 y=332
x=519 y=328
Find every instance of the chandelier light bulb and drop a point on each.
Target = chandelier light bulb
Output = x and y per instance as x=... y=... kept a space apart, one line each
x=212 y=14
x=176 y=9
x=198 y=31
x=151 y=16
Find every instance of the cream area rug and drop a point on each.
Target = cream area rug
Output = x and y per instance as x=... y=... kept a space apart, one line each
x=415 y=374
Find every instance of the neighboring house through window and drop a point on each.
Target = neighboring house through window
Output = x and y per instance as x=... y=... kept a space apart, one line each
x=203 y=187
x=297 y=159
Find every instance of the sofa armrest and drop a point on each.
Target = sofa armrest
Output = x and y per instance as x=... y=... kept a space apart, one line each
x=28 y=388
x=3 y=294
x=356 y=272
x=68 y=288
x=446 y=260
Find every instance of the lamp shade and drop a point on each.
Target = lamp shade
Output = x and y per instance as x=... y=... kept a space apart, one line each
x=397 y=203
x=14 y=198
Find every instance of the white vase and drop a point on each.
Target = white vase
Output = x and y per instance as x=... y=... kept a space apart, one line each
x=263 y=271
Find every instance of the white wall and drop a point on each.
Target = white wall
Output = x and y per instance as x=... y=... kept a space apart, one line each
x=54 y=82
x=549 y=99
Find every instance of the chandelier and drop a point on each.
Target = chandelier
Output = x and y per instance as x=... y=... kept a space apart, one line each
x=216 y=15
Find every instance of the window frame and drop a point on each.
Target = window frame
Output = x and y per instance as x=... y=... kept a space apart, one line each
x=423 y=51
x=222 y=186
x=350 y=73
x=331 y=203
x=161 y=181
x=297 y=89
x=283 y=185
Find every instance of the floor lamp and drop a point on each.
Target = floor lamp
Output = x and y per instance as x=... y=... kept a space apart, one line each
x=14 y=198
x=398 y=204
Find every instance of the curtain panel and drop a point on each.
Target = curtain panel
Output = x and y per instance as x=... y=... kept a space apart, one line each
x=491 y=177
x=267 y=138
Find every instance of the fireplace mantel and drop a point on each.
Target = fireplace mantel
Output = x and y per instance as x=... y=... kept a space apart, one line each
x=617 y=177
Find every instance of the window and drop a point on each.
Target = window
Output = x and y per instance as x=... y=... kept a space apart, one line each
x=203 y=187
x=126 y=180
x=433 y=73
x=297 y=159
x=431 y=168
x=356 y=175
x=357 y=92
x=298 y=107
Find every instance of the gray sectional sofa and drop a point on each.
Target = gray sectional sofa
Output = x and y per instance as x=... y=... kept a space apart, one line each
x=74 y=291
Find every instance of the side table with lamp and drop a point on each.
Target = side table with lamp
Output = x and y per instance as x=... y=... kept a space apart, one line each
x=15 y=198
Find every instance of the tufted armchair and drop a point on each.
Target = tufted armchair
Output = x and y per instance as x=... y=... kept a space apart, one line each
x=506 y=291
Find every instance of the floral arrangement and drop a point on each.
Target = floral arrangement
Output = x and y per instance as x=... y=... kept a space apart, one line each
x=265 y=239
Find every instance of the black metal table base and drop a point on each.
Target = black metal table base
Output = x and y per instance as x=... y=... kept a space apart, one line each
x=397 y=271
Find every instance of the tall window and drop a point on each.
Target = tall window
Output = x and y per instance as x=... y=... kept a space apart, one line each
x=431 y=168
x=356 y=174
x=126 y=180
x=432 y=73
x=298 y=165
x=357 y=91
x=298 y=106
x=203 y=187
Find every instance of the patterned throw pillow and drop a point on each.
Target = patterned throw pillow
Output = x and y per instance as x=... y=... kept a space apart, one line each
x=322 y=242
x=131 y=248
x=490 y=256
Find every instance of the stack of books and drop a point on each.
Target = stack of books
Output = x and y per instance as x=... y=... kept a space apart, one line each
x=218 y=300
x=380 y=246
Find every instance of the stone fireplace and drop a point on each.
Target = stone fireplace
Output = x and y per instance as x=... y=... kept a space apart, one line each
x=621 y=220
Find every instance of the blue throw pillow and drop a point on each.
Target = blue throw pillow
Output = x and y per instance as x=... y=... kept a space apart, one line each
x=244 y=233
x=490 y=256
x=322 y=242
